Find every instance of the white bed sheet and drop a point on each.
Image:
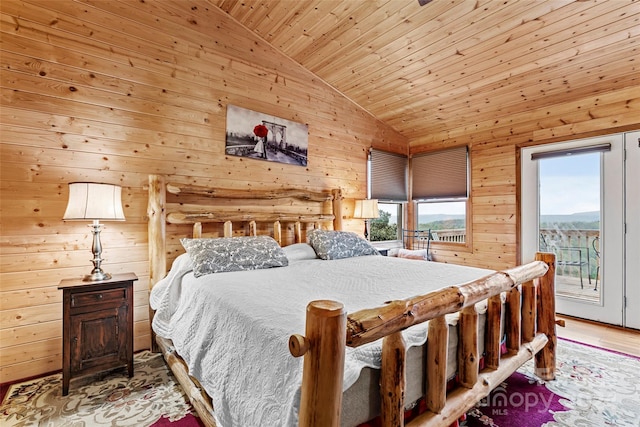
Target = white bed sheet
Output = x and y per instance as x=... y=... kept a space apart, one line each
x=232 y=329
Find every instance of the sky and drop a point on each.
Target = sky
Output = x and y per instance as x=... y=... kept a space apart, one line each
x=570 y=184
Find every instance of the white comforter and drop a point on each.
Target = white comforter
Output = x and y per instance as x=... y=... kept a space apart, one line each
x=232 y=329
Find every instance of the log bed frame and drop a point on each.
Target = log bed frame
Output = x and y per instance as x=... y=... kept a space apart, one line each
x=529 y=317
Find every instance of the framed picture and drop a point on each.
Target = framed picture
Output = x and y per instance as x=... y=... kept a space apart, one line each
x=264 y=137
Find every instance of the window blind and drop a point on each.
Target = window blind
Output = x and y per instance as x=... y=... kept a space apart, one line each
x=571 y=151
x=388 y=176
x=440 y=174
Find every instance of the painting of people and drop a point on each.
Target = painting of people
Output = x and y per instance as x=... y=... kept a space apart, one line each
x=265 y=137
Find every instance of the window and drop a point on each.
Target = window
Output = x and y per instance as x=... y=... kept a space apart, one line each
x=445 y=219
x=440 y=186
x=387 y=183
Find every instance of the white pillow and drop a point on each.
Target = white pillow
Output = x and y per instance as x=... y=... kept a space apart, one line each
x=421 y=254
x=299 y=252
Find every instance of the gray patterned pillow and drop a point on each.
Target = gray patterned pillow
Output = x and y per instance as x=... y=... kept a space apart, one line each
x=234 y=254
x=330 y=244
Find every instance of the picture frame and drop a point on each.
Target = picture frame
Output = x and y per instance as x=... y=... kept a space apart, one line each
x=261 y=136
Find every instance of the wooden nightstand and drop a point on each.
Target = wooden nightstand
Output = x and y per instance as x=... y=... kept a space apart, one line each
x=97 y=332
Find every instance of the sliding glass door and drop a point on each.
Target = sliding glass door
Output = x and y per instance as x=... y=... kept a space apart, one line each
x=572 y=196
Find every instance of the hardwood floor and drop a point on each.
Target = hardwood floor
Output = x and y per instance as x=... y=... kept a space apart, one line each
x=601 y=335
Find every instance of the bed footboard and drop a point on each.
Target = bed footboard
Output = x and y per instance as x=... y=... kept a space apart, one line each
x=530 y=330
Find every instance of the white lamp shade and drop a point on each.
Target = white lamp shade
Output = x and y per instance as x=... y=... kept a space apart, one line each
x=89 y=200
x=366 y=209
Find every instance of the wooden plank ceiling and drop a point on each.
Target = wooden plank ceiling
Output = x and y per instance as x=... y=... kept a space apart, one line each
x=430 y=70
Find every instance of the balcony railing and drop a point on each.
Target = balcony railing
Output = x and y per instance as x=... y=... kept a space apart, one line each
x=451 y=235
x=577 y=256
x=577 y=253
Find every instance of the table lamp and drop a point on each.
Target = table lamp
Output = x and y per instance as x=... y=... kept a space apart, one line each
x=96 y=202
x=366 y=209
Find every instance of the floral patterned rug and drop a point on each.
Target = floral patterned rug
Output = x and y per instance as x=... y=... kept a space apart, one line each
x=151 y=397
x=593 y=388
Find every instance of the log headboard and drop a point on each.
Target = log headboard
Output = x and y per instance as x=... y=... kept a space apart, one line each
x=177 y=210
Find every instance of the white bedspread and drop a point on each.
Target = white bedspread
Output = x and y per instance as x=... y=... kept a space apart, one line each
x=232 y=329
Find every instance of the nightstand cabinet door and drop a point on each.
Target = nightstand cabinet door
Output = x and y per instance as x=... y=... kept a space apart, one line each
x=97 y=326
x=96 y=339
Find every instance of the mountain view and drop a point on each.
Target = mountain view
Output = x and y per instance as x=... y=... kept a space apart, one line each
x=578 y=220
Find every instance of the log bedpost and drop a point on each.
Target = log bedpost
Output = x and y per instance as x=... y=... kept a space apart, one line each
x=546 y=358
x=253 y=228
x=157 y=240
x=323 y=347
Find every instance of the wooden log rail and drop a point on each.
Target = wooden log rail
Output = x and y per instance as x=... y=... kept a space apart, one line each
x=525 y=311
x=211 y=216
x=223 y=193
x=193 y=207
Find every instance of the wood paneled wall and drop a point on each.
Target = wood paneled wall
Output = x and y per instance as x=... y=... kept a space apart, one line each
x=111 y=91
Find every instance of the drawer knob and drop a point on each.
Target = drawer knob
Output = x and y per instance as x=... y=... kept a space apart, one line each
x=99 y=296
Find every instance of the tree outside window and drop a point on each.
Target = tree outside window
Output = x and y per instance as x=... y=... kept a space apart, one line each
x=385 y=227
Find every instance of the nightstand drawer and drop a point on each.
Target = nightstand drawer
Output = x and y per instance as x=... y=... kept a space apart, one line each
x=98 y=297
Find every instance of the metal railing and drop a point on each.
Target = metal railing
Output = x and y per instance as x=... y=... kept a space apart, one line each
x=451 y=235
x=574 y=249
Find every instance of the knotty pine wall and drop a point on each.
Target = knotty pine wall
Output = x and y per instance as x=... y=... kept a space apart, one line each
x=112 y=91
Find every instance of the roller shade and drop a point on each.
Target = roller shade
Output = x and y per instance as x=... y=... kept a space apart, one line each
x=571 y=151
x=440 y=174
x=388 y=176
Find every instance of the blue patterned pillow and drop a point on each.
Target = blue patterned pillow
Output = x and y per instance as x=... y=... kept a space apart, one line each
x=330 y=244
x=234 y=254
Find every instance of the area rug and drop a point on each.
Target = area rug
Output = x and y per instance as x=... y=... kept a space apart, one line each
x=151 y=397
x=594 y=388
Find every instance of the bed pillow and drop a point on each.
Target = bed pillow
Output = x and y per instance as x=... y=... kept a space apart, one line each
x=330 y=244
x=421 y=254
x=299 y=252
x=234 y=254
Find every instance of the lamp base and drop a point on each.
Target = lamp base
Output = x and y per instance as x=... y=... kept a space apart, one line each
x=96 y=277
x=96 y=274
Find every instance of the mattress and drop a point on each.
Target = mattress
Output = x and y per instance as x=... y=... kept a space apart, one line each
x=232 y=329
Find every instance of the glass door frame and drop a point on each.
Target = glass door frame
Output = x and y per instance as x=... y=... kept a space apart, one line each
x=610 y=307
x=632 y=235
